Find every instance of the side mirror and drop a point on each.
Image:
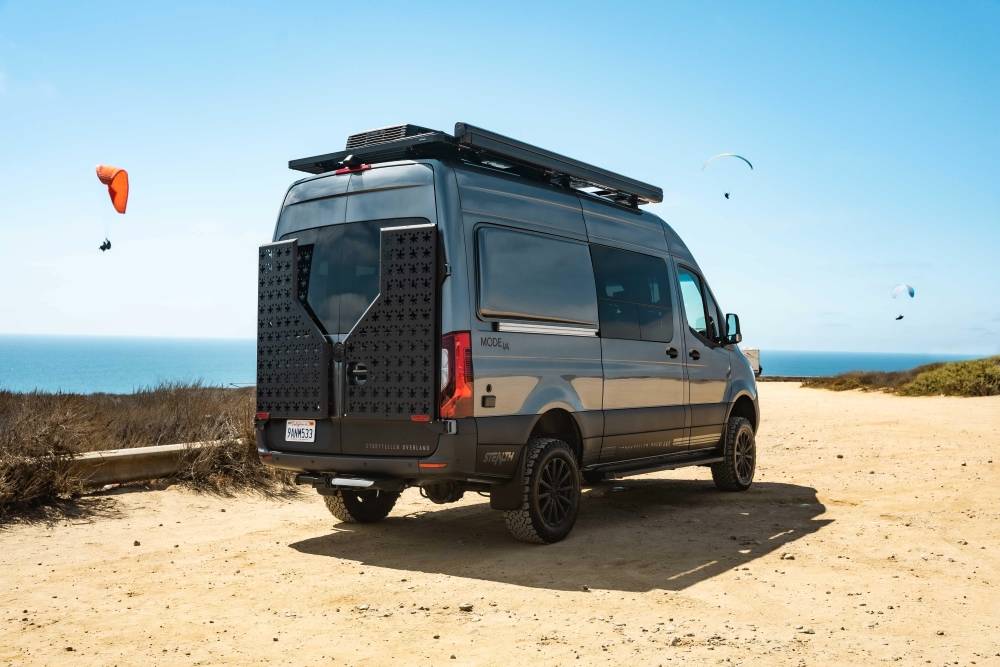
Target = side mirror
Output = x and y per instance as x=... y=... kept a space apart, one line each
x=733 y=333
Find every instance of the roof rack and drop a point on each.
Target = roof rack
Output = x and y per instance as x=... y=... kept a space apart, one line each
x=479 y=146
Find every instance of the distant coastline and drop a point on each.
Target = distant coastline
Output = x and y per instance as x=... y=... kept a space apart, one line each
x=822 y=364
x=91 y=364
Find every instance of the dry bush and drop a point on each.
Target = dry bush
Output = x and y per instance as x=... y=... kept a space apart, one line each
x=234 y=464
x=40 y=432
x=28 y=479
x=36 y=447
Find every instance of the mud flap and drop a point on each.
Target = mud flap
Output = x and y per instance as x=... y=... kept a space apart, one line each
x=509 y=495
x=293 y=355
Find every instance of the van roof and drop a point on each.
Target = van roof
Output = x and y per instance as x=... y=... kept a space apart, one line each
x=627 y=219
x=478 y=146
x=629 y=226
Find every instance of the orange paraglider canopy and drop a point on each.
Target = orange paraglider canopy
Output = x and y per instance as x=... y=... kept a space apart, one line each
x=117 y=181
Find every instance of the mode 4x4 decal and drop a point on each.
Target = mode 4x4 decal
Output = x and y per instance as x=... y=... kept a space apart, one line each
x=494 y=341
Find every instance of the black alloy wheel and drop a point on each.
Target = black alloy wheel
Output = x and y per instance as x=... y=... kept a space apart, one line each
x=558 y=484
x=746 y=456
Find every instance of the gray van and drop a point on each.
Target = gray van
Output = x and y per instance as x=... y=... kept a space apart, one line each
x=468 y=312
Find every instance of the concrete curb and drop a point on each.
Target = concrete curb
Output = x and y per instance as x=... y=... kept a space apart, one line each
x=135 y=464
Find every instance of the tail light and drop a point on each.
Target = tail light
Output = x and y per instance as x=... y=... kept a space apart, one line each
x=456 y=375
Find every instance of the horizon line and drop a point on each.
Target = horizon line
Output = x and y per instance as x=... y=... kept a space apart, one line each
x=253 y=338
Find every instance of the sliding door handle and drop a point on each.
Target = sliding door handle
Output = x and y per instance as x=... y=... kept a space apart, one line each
x=694 y=354
x=672 y=352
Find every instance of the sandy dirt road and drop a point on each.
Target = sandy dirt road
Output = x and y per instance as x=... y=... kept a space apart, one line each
x=890 y=553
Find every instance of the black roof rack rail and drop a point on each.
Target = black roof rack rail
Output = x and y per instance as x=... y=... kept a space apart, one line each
x=477 y=145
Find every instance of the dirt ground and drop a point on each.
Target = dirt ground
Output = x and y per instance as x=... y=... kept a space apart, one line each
x=871 y=535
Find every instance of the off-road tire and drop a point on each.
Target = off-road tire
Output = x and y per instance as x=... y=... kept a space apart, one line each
x=739 y=452
x=361 y=506
x=546 y=516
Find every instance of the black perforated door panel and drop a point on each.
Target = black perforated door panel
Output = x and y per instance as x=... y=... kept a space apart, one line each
x=293 y=357
x=390 y=353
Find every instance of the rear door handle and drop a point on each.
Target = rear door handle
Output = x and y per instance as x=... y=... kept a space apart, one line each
x=694 y=354
x=359 y=374
x=672 y=352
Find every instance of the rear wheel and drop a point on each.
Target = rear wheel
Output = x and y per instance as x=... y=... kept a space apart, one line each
x=361 y=506
x=735 y=471
x=550 y=493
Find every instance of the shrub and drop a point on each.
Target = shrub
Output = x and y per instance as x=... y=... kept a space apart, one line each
x=979 y=377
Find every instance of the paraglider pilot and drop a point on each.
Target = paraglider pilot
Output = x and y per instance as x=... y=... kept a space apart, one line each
x=105 y=246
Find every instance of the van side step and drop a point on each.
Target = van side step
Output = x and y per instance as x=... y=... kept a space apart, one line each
x=621 y=469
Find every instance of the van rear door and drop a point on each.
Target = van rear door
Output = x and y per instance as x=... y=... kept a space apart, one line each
x=390 y=354
x=366 y=280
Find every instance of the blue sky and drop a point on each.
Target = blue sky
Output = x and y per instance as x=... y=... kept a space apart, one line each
x=873 y=129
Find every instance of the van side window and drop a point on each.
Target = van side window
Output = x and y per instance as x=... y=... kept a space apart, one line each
x=529 y=276
x=633 y=295
x=694 y=304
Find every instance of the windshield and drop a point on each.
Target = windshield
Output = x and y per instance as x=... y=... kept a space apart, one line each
x=344 y=274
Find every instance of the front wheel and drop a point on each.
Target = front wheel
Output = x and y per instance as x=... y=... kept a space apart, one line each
x=361 y=506
x=550 y=493
x=739 y=453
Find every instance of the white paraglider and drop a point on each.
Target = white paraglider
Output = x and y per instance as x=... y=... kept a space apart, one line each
x=903 y=292
x=727 y=195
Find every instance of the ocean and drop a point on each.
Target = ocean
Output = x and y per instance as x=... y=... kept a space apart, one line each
x=90 y=364
x=87 y=364
x=814 y=364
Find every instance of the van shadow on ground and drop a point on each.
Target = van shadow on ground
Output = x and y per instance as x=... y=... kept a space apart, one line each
x=633 y=535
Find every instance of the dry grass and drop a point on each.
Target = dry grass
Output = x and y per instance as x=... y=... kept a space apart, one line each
x=979 y=377
x=40 y=432
x=234 y=466
x=92 y=422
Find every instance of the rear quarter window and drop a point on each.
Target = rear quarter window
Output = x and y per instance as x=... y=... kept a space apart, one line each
x=529 y=276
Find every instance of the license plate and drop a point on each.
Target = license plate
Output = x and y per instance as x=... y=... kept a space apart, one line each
x=300 y=430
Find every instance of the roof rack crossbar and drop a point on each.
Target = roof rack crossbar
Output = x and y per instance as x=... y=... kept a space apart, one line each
x=482 y=145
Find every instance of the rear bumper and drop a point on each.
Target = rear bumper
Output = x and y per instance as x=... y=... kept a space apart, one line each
x=355 y=465
x=454 y=458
